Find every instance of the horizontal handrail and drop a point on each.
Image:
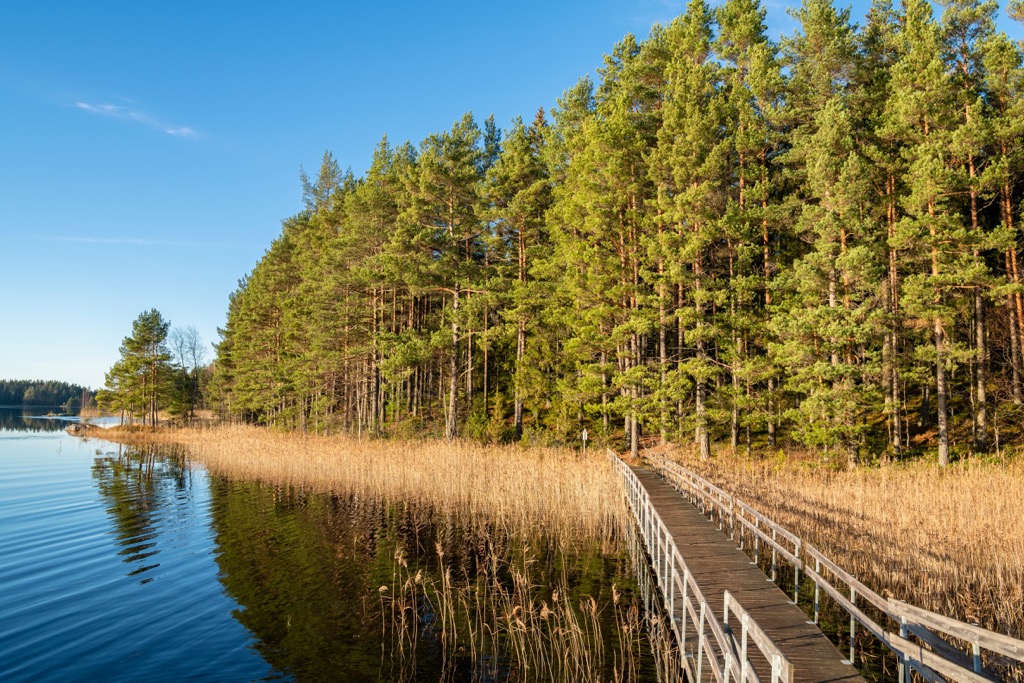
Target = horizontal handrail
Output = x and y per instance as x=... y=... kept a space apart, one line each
x=849 y=579
x=760 y=527
x=933 y=658
x=996 y=642
x=751 y=629
x=714 y=642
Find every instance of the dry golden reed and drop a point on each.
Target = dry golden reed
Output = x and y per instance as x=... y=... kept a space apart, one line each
x=512 y=620
x=948 y=539
x=559 y=490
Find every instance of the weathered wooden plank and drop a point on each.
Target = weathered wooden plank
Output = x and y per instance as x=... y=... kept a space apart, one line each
x=778 y=528
x=931 y=628
x=849 y=579
x=917 y=654
x=717 y=566
x=865 y=621
x=996 y=642
x=790 y=557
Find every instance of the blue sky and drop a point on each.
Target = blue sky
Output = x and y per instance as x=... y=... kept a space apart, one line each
x=149 y=150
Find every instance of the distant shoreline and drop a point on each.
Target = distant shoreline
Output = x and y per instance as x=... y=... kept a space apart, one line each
x=33 y=407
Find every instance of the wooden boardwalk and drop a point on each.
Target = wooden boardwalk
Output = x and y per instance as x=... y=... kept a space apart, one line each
x=717 y=566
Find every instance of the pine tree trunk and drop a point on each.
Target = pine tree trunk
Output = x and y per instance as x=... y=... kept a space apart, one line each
x=451 y=426
x=894 y=303
x=981 y=437
x=521 y=339
x=832 y=304
x=604 y=392
x=887 y=382
x=735 y=424
x=634 y=434
x=469 y=366
x=634 y=427
x=1018 y=300
x=746 y=411
x=940 y=394
x=680 y=339
x=701 y=432
x=1012 y=269
x=375 y=375
x=1011 y=313
x=703 y=443
x=662 y=357
x=940 y=370
x=981 y=366
x=520 y=351
x=486 y=379
x=770 y=408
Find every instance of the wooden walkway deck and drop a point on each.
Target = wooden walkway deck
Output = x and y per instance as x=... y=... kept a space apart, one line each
x=717 y=566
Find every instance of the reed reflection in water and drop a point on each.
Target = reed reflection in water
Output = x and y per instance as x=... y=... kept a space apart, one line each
x=349 y=587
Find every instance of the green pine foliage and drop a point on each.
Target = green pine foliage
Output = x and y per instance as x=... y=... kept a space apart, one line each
x=140 y=382
x=723 y=240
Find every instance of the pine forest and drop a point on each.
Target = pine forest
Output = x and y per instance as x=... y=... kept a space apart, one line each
x=722 y=240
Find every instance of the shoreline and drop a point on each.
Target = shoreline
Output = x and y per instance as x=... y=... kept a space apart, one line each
x=574 y=495
x=881 y=522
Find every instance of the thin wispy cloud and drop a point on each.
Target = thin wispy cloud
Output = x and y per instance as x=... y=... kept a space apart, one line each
x=117 y=111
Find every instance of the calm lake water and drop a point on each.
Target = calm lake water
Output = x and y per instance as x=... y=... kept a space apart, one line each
x=123 y=566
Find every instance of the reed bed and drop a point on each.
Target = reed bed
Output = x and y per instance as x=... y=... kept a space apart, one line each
x=947 y=539
x=510 y=620
x=558 y=490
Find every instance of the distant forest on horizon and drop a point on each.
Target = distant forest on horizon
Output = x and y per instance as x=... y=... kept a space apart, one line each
x=723 y=239
x=45 y=393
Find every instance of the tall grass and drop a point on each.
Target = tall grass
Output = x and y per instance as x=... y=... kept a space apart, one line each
x=947 y=539
x=561 y=491
x=511 y=618
x=499 y=599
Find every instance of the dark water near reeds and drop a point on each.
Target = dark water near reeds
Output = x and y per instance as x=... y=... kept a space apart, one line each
x=122 y=566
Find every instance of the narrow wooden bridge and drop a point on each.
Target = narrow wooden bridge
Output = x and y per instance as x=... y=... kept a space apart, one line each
x=732 y=622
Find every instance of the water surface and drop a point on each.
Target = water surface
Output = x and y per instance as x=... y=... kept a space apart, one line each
x=121 y=566
x=108 y=573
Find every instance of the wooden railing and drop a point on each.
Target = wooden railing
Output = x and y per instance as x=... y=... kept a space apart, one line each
x=711 y=647
x=925 y=643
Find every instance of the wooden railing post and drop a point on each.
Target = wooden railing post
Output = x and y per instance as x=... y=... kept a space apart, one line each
x=757 y=541
x=673 y=574
x=720 y=504
x=796 y=580
x=732 y=519
x=715 y=643
x=700 y=644
x=775 y=559
x=686 y=609
x=817 y=589
x=744 y=662
x=937 y=651
x=905 y=668
x=667 y=556
x=853 y=622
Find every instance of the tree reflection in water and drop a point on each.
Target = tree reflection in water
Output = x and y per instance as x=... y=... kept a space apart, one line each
x=345 y=586
x=352 y=588
x=29 y=420
x=140 y=487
